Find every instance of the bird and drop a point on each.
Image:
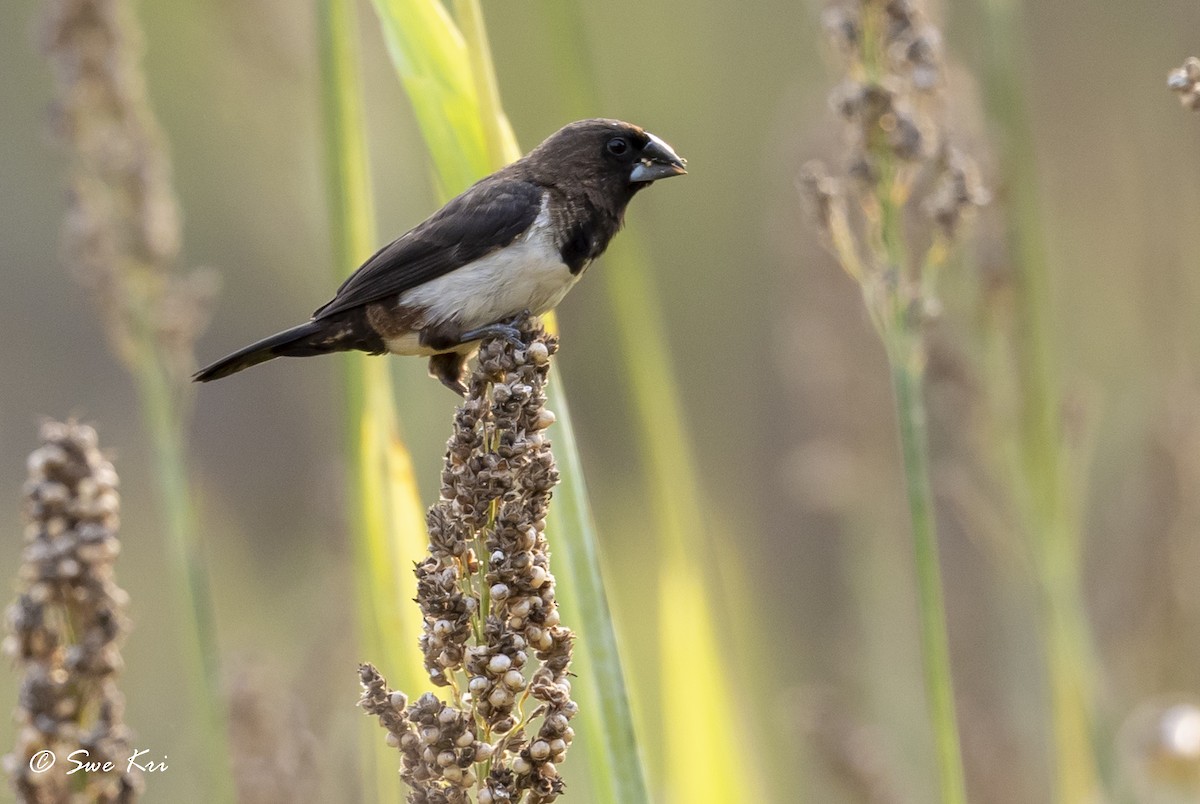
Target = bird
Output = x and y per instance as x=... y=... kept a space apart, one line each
x=509 y=246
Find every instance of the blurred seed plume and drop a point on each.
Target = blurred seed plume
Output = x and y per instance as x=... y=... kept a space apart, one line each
x=67 y=624
x=890 y=215
x=491 y=624
x=121 y=239
x=1185 y=81
x=121 y=234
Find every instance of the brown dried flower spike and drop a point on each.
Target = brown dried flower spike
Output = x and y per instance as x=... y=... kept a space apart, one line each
x=892 y=214
x=492 y=634
x=67 y=624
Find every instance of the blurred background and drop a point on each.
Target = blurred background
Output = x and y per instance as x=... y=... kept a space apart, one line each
x=785 y=387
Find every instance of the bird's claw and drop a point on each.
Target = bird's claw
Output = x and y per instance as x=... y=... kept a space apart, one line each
x=511 y=334
x=506 y=331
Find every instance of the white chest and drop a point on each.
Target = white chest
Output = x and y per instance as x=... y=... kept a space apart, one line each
x=528 y=274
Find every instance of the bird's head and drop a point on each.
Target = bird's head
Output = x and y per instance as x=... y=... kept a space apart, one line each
x=618 y=157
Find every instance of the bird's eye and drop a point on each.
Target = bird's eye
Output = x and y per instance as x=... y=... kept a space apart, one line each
x=617 y=146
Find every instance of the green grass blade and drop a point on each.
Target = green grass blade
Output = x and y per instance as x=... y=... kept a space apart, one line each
x=675 y=492
x=614 y=757
x=498 y=136
x=1042 y=473
x=697 y=742
x=434 y=65
x=389 y=532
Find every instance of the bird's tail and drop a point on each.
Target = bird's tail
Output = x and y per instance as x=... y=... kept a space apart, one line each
x=310 y=338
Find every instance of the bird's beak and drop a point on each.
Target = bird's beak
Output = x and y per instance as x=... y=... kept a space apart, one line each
x=658 y=161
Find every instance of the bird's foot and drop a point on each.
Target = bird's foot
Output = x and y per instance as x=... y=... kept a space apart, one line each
x=506 y=331
x=520 y=318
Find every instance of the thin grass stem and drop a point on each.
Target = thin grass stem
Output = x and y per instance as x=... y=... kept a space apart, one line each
x=1040 y=467
x=162 y=419
x=935 y=648
x=903 y=343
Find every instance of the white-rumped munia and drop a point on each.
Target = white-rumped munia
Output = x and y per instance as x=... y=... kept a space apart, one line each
x=511 y=245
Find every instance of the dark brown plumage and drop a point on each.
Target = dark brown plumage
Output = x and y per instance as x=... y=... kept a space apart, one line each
x=514 y=242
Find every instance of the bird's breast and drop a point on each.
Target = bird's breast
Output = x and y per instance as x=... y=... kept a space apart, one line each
x=527 y=274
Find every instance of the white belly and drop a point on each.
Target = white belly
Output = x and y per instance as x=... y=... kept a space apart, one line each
x=527 y=274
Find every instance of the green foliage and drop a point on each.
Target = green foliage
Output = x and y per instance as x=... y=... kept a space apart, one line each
x=434 y=65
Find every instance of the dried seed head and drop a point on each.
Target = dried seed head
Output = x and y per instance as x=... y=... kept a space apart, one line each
x=484 y=616
x=841 y=27
x=121 y=234
x=904 y=184
x=956 y=191
x=68 y=621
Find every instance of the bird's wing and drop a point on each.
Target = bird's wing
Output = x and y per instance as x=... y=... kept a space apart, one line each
x=483 y=219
